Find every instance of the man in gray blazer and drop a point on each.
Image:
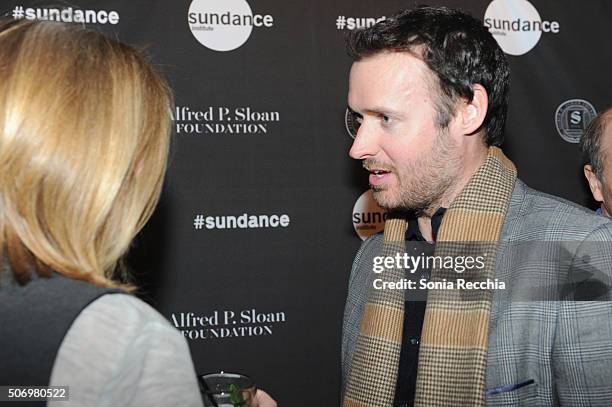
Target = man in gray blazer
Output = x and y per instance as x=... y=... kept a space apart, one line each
x=428 y=94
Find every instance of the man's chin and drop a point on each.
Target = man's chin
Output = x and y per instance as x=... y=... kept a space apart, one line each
x=384 y=199
x=387 y=201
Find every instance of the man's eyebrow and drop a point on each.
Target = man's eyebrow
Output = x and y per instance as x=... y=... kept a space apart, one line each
x=376 y=110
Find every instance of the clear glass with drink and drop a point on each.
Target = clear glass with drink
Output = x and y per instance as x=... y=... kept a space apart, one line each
x=227 y=390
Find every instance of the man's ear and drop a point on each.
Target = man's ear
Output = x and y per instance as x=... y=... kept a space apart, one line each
x=594 y=183
x=472 y=113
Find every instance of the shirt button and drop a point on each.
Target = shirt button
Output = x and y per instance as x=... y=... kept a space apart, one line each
x=414 y=341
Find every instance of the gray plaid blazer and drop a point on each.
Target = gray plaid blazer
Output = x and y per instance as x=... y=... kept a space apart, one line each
x=542 y=352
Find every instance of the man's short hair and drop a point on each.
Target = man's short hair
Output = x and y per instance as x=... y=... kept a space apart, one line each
x=590 y=142
x=457 y=47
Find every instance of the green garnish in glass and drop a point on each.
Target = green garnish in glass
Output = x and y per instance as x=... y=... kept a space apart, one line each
x=235 y=396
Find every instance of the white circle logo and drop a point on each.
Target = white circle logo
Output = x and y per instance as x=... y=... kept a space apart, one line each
x=368 y=217
x=572 y=118
x=516 y=25
x=221 y=25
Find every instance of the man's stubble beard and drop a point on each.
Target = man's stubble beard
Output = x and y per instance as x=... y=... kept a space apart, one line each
x=423 y=183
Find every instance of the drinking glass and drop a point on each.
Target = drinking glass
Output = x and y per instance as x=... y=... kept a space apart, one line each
x=227 y=390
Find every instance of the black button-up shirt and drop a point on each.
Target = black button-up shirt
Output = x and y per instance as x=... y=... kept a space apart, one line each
x=414 y=314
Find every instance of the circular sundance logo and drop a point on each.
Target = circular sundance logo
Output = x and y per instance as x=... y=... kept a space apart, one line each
x=572 y=118
x=368 y=217
x=516 y=25
x=224 y=25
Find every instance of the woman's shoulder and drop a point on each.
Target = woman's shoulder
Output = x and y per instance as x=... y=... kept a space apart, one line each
x=123 y=312
x=113 y=323
x=118 y=348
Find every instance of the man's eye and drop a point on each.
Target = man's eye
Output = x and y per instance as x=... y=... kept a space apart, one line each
x=386 y=119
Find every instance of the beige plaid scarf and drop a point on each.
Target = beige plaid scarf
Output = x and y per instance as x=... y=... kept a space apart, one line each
x=453 y=350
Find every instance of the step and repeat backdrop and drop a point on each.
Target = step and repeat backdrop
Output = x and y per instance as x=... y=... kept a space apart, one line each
x=249 y=252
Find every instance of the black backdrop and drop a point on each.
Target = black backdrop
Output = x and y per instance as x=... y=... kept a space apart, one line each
x=268 y=301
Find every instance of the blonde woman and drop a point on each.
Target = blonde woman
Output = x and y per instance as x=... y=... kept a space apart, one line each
x=84 y=135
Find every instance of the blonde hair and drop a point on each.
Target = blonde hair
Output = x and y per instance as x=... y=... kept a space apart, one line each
x=84 y=137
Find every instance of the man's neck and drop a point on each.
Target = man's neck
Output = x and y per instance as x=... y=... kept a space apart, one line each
x=424 y=219
x=424 y=222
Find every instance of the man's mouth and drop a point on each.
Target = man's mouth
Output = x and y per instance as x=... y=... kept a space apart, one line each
x=378 y=176
x=379 y=173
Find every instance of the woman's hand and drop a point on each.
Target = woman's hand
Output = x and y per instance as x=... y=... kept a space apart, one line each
x=263 y=399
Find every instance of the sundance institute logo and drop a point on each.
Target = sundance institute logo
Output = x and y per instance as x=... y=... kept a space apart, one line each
x=224 y=25
x=516 y=25
x=368 y=217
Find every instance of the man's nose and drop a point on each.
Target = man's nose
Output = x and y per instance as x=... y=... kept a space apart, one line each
x=365 y=144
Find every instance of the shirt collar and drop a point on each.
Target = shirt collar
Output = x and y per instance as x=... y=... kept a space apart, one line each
x=414 y=233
